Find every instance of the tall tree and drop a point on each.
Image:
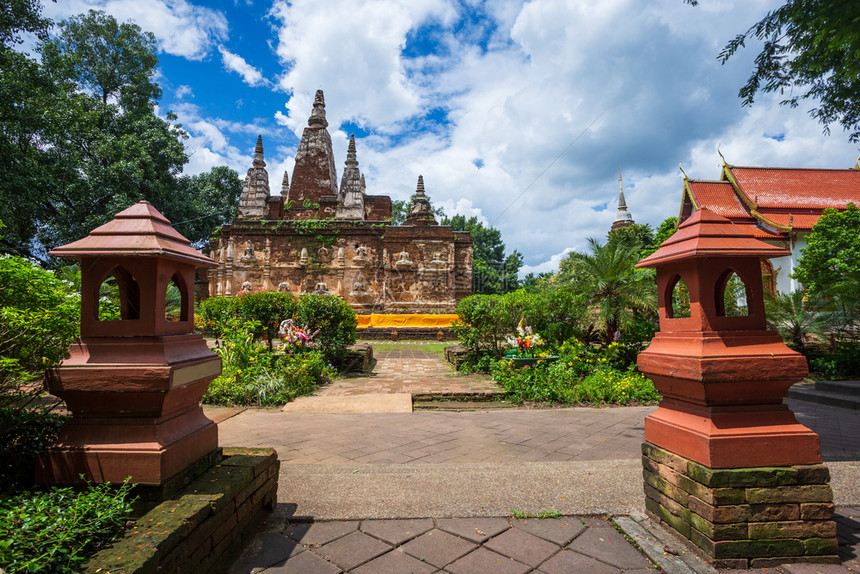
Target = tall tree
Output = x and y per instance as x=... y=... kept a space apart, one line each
x=106 y=58
x=832 y=251
x=212 y=200
x=810 y=52
x=492 y=270
x=80 y=140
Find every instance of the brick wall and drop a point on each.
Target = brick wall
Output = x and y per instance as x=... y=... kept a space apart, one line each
x=746 y=517
x=203 y=528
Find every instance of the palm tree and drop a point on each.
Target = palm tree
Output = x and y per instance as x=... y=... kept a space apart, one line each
x=797 y=316
x=615 y=288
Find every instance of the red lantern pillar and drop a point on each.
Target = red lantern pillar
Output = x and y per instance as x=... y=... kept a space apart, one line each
x=133 y=385
x=726 y=462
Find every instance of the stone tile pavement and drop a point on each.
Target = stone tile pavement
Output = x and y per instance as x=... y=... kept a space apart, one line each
x=510 y=435
x=356 y=490
x=454 y=545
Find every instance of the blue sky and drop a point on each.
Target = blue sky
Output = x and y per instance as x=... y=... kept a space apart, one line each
x=520 y=113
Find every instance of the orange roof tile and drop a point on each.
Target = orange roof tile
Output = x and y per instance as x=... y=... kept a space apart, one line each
x=798 y=188
x=719 y=197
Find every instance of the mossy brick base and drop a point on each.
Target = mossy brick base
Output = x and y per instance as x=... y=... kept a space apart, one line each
x=743 y=517
x=204 y=527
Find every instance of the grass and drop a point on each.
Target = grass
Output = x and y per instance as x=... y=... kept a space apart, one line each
x=434 y=348
x=543 y=514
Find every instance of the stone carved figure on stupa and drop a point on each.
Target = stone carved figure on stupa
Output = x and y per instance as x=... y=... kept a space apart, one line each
x=246 y=287
x=303 y=257
x=321 y=289
x=360 y=254
x=359 y=286
x=248 y=256
x=283 y=287
x=403 y=260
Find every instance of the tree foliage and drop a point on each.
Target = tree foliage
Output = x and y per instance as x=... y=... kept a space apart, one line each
x=492 y=270
x=832 y=251
x=106 y=58
x=617 y=292
x=80 y=139
x=810 y=51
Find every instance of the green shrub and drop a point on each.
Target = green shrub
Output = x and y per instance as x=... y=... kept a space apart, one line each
x=478 y=326
x=213 y=313
x=39 y=318
x=617 y=387
x=56 y=531
x=485 y=321
x=26 y=432
x=254 y=375
x=839 y=363
x=267 y=309
x=335 y=320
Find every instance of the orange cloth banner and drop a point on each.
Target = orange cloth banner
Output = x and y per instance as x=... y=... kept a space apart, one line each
x=405 y=320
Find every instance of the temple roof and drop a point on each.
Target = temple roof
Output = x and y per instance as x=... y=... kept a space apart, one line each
x=773 y=201
x=795 y=188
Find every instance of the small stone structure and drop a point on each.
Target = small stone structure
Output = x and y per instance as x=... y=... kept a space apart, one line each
x=726 y=463
x=314 y=237
x=133 y=385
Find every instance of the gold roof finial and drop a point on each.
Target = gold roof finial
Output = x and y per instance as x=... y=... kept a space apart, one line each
x=682 y=170
x=857 y=164
x=721 y=155
x=619 y=180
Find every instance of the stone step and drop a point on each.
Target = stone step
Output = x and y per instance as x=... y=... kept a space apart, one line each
x=843 y=387
x=807 y=392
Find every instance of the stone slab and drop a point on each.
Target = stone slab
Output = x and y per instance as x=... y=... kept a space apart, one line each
x=438 y=548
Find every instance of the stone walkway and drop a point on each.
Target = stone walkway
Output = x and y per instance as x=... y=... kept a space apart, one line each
x=509 y=436
x=434 y=491
x=455 y=545
x=412 y=368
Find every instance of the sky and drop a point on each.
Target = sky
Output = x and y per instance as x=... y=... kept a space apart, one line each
x=519 y=113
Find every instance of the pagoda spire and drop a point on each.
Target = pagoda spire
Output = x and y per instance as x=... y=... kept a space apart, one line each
x=285 y=185
x=622 y=216
x=258 y=153
x=317 y=119
x=314 y=174
x=255 y=190
x=350 y=199
x=420 y=211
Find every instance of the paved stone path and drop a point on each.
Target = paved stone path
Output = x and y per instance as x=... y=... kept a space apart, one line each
x=510 y=435
x=367 y=476
x=412 y=368
x=455 y=545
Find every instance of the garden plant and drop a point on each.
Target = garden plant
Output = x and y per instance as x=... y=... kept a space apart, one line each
x=274 y=347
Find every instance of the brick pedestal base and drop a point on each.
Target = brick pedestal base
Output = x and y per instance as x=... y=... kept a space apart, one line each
x=744 y=517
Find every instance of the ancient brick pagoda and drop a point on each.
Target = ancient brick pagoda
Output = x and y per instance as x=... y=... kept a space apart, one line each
x=317 y=238
x=726 y=463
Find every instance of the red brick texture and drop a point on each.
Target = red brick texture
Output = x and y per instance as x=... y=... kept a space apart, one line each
x=745 y=517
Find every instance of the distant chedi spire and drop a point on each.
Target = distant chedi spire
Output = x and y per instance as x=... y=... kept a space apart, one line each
x=622 y=216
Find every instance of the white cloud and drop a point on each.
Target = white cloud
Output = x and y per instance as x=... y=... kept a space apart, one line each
x=352 y=50
x=235 y=63
x=181 y=28
x=183 y=91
